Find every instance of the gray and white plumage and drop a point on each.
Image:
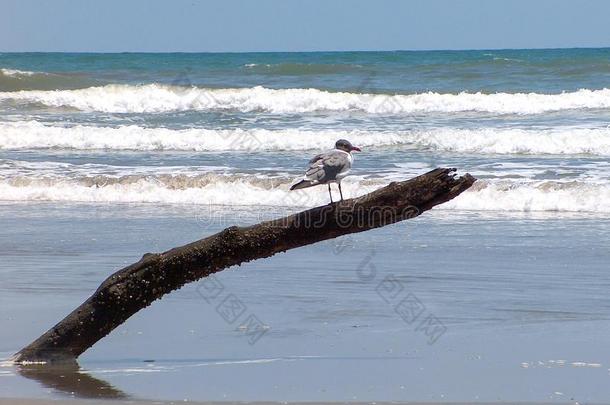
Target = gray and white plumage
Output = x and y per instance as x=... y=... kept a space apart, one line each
x=329 y=167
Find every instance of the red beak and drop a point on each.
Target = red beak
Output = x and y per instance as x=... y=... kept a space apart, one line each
x=357 y=149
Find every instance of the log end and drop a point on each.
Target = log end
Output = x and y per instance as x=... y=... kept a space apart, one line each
x=28 y=356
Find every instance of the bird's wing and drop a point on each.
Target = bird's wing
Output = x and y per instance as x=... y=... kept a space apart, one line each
x=326 y=166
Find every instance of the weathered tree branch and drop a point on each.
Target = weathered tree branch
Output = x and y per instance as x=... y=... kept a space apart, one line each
x=135 y=287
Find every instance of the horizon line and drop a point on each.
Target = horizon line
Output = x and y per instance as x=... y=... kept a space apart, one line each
x=320 y=51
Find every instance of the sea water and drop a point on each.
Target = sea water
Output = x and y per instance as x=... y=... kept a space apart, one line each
x=104 y=157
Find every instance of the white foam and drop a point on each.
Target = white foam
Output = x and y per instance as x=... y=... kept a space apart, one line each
x=34 y=135
x=559 y=363
x=130 y=370
x=260 y=190
x=562 y=140
x=7 y=363
x=156 y=368
x=529 y=196
x=17 y=73
x=191 y=188
x=162 y=98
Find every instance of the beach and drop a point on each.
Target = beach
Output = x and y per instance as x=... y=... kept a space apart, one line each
x=106 y=157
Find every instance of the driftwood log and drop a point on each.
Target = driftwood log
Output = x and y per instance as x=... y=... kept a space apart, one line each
x=136 y=286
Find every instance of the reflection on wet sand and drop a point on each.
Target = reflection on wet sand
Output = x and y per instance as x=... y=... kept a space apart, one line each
x=70 y=379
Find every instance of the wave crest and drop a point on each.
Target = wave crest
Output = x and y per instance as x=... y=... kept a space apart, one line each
x=556 y=141
x=553 y=196
x=13 y=80
x=155 y=98
x=566 y=140
x=18 y=73
x=261 y=190
x=205 y=189
x=35 y=135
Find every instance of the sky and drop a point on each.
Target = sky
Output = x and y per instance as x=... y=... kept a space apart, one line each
x=299 y=25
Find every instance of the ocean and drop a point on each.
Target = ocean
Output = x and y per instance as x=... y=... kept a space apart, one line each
x=104 y=157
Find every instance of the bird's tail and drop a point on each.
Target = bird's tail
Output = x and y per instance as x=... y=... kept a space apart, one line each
x=302 y=184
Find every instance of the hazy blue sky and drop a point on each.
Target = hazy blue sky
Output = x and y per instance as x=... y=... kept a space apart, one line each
x=297 y=25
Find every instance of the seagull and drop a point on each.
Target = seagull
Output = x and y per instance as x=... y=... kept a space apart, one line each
x=329 y=167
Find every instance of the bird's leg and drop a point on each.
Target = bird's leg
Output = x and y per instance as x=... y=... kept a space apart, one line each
x=340 y=192
x=330 y=194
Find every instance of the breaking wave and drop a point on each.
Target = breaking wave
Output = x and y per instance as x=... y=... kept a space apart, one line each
x=34 y=135
x=155 y=98
x=557 y=141
x=560 y=140
x=18 y=73
x=204 y=189
x=574 y=196
x=13 y=80
x=234 y=189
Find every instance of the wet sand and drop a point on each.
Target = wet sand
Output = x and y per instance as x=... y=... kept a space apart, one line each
x=528 y=327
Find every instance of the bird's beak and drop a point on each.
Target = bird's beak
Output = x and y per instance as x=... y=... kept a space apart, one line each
x=357 y=149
